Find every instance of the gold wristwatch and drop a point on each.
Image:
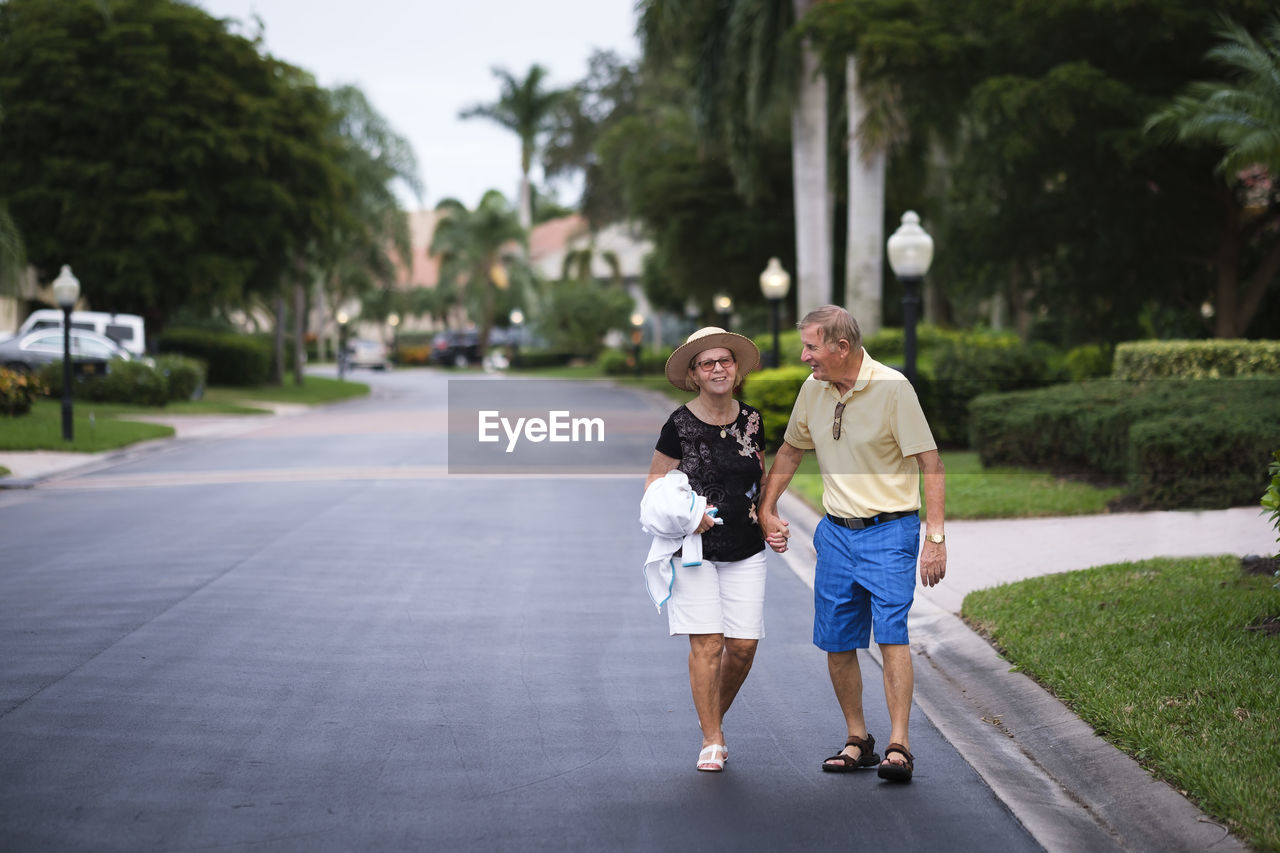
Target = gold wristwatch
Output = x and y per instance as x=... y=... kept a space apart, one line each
x=936 y=538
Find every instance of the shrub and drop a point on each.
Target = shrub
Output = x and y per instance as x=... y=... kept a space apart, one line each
x=967 y=366
x=620 y=363
x=613 y=362
x=232 y=359
x=134 y=382
x=577 y=315
x=1209 y=359
x=1179 y=443
x=1271 y=497
x=535 y=359
x=1200 y=461
x=18 y=391
x=184 y=376
x=1089 y=361
x=773 y=392
x=413 y=354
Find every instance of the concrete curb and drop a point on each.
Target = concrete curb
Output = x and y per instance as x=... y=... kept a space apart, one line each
x=1070 y=788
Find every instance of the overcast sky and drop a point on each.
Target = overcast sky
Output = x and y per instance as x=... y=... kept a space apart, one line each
x=419 y=63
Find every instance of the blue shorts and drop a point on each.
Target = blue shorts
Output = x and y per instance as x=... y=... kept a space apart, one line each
x=864 y=577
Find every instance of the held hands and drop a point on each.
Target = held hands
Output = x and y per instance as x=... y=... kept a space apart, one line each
x=933 y=563
x=776 y=532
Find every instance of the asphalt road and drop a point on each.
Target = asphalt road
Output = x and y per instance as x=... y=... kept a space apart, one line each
x=310 y=635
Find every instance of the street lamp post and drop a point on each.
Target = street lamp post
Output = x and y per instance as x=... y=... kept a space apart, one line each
x=637 y=340
x=774 y=284
x=342 y=319
x=724 y=307
x=517 y=320
x=393 y=320
x=910 y=253
x=66 y=290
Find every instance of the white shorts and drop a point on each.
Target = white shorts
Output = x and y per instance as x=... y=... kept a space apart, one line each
x=719 y=598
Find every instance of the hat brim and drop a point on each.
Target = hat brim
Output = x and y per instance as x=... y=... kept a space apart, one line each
x=744 y=352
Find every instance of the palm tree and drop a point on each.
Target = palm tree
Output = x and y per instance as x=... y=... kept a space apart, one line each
x=578 y=264
x=743 y=66
x=13 y=258
x=374 y=230
x=864 y=249
x=1241 y=117
x=526 y=108
x=480 y=251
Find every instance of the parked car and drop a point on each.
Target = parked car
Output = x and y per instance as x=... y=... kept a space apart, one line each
x=127 y=330
x=363 y=352
x=456 y=348
x=90 y=352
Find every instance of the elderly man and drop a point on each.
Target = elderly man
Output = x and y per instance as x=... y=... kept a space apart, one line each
x=865 y=423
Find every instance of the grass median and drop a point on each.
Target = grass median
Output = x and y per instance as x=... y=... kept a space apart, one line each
x=98 y=427
x=1172 y=660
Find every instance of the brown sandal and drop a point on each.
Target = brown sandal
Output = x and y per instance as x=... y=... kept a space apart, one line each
x=893 y=771
x=866 y=758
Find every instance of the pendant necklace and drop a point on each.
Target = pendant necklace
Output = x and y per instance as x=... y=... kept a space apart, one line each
x=724 y=429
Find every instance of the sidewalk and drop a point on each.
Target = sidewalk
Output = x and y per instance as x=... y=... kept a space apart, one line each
x=1070 y=788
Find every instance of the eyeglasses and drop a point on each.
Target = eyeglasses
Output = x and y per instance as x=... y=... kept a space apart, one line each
x=708 y=365
x=835 y=425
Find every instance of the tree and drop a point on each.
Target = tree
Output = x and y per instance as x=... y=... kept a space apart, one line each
x=743 y=70
x=526 y=108
x=1024 y=139
x=164 y=158
x=372 y=230
x=1242 y=119
x=707 y=236
x=588 y=111
x=478 y=252
x=13 y=255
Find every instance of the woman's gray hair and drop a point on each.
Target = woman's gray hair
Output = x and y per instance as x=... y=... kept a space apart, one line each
x=836 y=324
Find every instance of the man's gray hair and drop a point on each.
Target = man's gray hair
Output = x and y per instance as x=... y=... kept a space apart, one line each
x=836 y=324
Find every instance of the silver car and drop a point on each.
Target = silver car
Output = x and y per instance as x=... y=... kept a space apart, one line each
x=90 y=352
x=367 y=353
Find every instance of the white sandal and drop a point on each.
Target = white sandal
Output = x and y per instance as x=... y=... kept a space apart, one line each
x=712 y=758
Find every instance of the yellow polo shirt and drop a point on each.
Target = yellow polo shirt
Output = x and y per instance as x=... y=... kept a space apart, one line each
x=869 y=469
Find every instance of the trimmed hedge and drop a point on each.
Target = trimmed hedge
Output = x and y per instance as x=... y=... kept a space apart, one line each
x=1210 y=359
x=184 y=376
x=232 y=359
x=653 y=362
x=1200 y=461
x=969 y=366
x=1178 y=443
x=134 y=382
x=773 y=392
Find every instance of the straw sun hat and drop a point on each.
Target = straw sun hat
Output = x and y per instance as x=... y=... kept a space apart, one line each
x=711 y=337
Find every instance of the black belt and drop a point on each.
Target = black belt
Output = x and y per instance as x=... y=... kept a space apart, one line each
x=860 y=523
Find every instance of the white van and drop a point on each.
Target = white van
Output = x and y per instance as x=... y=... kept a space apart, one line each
x=127 y=330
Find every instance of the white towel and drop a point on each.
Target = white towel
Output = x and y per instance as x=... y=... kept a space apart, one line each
x=670 y=511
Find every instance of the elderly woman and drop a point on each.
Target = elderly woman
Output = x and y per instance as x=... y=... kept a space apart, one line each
x=717 y=442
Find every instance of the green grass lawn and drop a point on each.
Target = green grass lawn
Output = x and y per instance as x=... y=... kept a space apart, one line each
x=94 y=429
x=106 y=426
x=977 y=492
x=1166 y=660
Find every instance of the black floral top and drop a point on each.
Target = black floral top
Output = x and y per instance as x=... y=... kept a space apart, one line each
x=727 y=471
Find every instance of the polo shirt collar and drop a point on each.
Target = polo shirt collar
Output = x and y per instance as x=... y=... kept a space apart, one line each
x=864 y=378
